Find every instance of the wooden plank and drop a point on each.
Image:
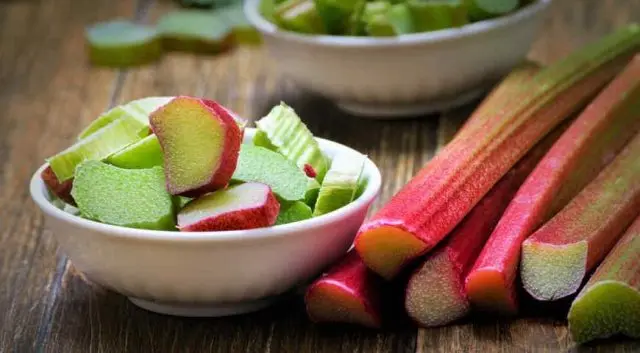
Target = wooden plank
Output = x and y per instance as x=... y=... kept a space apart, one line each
x=45 y=90
x=541 y=327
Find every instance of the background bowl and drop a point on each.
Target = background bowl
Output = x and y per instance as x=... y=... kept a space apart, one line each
x=406 y=75
x=209 y=273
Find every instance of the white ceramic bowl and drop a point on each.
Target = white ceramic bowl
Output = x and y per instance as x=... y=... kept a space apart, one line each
x=406 y=75
x=209 y=273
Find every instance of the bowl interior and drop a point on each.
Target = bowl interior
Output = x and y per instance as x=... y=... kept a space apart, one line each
x=252 y=11
x=42 y=198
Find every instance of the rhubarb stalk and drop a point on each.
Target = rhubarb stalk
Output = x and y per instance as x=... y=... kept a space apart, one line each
x=419 y=216
x=597 y=135
x=435 y=292
x=349 y=293
x=610 y=302
x=556 y=258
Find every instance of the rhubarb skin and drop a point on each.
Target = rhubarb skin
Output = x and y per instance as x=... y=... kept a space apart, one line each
x=349 y=292
x=557 y=257
x=590 y=143
x=425 y=210
x=507 y=90
x=62 y=190
x=610 y=302
x=434 y=305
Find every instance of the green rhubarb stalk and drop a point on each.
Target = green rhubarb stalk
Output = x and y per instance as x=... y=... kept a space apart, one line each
x=444 y=191
x=609 y=304
x=558 y=256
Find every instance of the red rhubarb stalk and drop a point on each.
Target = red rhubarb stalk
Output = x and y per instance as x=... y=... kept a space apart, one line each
x=424 y=211
x=349 y=293
x=435 y=292
x=596 y=136
x=556 y=258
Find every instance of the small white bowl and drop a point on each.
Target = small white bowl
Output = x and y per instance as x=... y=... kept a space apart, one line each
x=209 y=273
x=406 y=75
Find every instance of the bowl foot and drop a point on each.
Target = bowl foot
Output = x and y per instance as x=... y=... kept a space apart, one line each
x=408 y=110
x=204 y=309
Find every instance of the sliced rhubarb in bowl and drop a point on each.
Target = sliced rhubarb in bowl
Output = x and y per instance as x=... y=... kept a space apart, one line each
x=244 y=206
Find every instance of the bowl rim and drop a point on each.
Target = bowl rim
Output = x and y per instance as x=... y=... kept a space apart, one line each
x=370 y=193
x=251 y=10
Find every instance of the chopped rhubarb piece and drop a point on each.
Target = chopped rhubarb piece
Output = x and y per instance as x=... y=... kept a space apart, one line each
x=609 y=304
x=145 y=153
x=599 y=133
x=108 y=140
x=348 y=292
x=557 y=257
x=483 y=9
x=282 y=131
x=122 y=43
x=291 y=212
x=340 y=184
x=435 y=293
x=244 y=206
x=265 y=166
x=418 y=217
x=309 y=171
x=200 y=141
x=134 y=198
x=195 y=31
x=60 y=190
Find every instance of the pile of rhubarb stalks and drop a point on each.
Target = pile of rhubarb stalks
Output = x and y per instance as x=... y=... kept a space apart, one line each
x=540 y=188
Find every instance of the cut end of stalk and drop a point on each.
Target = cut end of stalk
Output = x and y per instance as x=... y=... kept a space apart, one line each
x=488 y=291
x=328 y=301
x=435 y=294
x=606 y=309
x=551 y=272
x=386 y=249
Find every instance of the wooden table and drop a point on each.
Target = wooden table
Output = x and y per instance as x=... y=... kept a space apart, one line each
x=48 y=92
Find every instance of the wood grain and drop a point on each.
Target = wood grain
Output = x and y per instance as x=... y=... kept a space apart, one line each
x=45 y=91
x=48 y=93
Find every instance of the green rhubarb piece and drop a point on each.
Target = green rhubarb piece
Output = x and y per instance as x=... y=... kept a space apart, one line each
x=148 y=105
x=195 y=31
x=261 y=165
x=121 y=43
x=313 y=188
x=98 y=146
x=437 y=14
x=356 y=25
x=291 y=212
x=299 y=16
x=180 y=201
x=609 y=304
x=145 y=153
x=112 y=115
x=485 y=9
x=283 y=129
x=134 y=198
x=340 y=184
x=375 y=8
x=335 y=14
x=243 y=31
x=394 y=20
